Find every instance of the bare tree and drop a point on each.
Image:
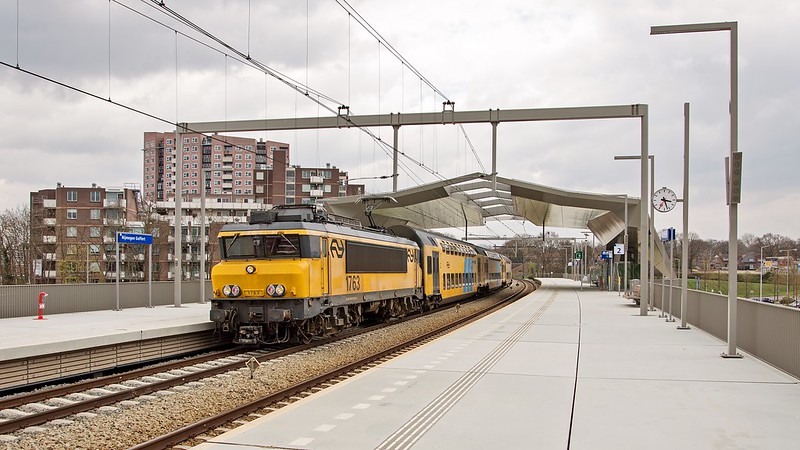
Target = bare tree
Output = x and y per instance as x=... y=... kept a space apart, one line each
x=15 y=259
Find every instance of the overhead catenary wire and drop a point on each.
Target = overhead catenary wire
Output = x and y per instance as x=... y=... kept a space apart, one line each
x=351 y=12
x=298 y=87
x=246 y=59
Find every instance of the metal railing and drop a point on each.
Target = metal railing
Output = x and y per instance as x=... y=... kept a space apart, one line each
x=21 y=300
x=767 y=331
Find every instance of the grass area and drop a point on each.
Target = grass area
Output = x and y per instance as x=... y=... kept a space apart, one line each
x=773 y=287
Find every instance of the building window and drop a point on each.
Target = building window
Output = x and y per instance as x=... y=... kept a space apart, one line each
x=72 y=249
x=289 y=189
x=259 y=189
x=72 y=231
x=290 y=176
x=94 y=214
x=169 y=141
x=194 y=140
x=238 y=156
x=72 y=196
x=94 y=249
x=216 y=148
x=94 y=196
x=237 y=165
x=248 y=156
x=72 y=214
x=259 y=176
x=94 y=232
x=185 y=140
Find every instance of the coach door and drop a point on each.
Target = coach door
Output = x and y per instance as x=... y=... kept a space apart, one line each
x=435 y=267
x=325 y=275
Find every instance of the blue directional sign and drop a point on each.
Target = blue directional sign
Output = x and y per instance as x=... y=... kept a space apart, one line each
x=134 y=238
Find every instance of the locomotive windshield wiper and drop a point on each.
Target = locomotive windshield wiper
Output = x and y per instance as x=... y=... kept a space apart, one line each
x=290 y=242
x=230 y=244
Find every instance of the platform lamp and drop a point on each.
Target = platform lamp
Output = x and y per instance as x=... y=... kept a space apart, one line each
x=732 y=164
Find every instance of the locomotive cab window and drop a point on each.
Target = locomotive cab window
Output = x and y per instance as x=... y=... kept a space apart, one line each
x=266 y=246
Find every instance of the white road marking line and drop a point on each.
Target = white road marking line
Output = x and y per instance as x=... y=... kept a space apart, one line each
x=325 y=427
x=376 y=398
x=362 y=406
x=301 y=442
x=344 y=416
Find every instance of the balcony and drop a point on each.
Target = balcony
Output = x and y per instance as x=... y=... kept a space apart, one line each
x=49 y=273
x=316 y=193
x=316 y=180
x=108 y=240
x=49 y=203
x=49 y=256
x=114 y=203
x=113 y=222
x=50 y=221
x=48 y=239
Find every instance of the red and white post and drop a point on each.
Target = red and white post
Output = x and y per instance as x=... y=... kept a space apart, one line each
x=42 y=295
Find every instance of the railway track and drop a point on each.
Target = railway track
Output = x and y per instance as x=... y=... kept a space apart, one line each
x=52 y=406
x=308 y=387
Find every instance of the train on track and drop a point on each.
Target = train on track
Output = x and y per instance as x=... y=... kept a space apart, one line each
x=294 y=273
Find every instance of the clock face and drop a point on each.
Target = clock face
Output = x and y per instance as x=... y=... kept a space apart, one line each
x=664 y=199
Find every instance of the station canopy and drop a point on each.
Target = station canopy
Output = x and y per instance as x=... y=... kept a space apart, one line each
x=468 y=200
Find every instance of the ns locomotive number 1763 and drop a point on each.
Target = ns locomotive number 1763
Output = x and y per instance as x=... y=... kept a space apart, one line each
x=291 y=274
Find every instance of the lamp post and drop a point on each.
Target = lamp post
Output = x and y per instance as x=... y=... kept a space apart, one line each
x=203 y=237
x=651 y=238
x=734 y=190
x=761 y=273
x=787 y=268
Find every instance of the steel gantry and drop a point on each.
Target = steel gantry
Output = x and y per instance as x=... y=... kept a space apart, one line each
x=447 y=116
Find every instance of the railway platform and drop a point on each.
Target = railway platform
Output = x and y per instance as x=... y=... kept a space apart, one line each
x=564 y=367
x=26 y=337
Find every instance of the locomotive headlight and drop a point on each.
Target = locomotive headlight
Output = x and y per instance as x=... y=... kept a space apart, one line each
x=231 y=290
x=276 y=290
x=251 y=269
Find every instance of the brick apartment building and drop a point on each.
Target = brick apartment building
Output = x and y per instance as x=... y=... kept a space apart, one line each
x=72 y=229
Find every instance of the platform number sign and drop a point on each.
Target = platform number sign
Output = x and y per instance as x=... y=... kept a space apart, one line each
x=579 y=255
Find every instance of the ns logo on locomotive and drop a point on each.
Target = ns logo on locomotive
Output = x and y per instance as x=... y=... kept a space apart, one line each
x=293 y=273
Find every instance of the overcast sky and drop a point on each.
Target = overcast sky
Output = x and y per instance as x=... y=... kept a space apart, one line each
x=481 y=55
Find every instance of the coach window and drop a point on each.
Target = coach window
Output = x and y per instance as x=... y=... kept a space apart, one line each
x=430 y=265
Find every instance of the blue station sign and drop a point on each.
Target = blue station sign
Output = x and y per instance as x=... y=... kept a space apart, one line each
x=134 y=238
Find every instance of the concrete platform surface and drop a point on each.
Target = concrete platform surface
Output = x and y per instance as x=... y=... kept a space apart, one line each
x=509 y=380
x=22 y=337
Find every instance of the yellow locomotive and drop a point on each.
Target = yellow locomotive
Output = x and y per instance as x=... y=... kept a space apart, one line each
x=293 y=273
